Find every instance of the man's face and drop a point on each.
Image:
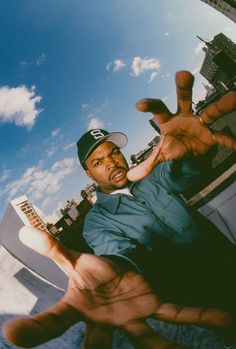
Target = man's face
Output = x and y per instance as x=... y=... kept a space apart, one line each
x=107 y=167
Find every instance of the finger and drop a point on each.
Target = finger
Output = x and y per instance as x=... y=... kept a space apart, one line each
x=184 y=86
x=155 y=106
x=35 y=330
x=144 y=168
x=198 y=316
x=97 y=337
x=44 y=244
x=223 y=106
x=143 y=336
x=225 y=140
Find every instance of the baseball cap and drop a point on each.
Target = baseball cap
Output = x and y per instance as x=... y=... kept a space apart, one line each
x=93 y=138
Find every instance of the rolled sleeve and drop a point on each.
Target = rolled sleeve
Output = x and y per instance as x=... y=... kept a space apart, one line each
x=178 y=176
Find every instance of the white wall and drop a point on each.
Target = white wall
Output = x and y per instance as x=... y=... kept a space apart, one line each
x=222 y=211
x=10 y=225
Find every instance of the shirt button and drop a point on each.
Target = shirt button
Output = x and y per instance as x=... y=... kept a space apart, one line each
x=143 y=202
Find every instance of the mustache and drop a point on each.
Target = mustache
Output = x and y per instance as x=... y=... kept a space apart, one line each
x=113 y=172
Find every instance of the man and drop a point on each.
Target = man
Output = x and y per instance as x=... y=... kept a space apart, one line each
x=155 y=239
x=145 y=225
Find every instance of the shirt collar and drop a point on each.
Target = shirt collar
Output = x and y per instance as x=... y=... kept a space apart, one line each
x=125 y=191
x=108 y=201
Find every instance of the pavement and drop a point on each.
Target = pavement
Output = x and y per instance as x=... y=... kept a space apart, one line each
x=23 y=292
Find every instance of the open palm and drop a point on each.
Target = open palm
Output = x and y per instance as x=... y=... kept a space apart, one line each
x=101 y=292
x=182 y=133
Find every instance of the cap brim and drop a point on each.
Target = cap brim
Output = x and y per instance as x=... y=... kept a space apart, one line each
x=118 y=138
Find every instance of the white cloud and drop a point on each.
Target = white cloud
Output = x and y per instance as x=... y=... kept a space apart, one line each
x=56 y=213
x=116 y=65
x=95 y=115
x=62 y=164
x=40 y=211
x=95 y=123
x=164 y=76
x=69 y=146
x=24 y=63
x=199 y=47
x=167 y=34
x=41 y=59
x=153 y=76
x=94 y=111
x=140 y=65
x=56 y=132
x=18 y=105
x=85 y=106
x=108 y=67
x=197 y=68
x=53 y=217
x=51 y=151
x=199 y=93
x=5 y=175
x=38 y=183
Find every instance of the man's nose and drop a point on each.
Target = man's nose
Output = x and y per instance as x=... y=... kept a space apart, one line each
x=111 y=163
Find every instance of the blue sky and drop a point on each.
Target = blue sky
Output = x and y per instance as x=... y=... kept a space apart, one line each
x=67 y=65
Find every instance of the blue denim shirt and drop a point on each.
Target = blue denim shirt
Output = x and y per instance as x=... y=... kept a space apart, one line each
x=117 y=223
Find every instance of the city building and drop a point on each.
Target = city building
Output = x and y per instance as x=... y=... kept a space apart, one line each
x=155 y=125
x=145 y=153
x=209 y=90
x=140 y=156
x=89 y=193
x=21 y=212
x=219 y=65
x=223 y=163
x=68 y=229
x=226 y=7
x=30 y=213
x=218 y=68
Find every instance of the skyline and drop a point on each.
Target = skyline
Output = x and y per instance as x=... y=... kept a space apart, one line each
x=68 y=66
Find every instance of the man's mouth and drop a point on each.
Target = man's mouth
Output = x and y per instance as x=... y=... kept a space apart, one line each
x=118 y=175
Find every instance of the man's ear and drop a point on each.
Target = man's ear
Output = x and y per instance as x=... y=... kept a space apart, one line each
x=89 y=175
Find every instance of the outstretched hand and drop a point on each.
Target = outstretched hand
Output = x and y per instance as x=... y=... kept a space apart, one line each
x=101 y=292
x=183 y=133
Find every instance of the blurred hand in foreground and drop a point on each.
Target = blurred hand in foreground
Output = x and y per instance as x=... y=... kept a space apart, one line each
x=105 y=296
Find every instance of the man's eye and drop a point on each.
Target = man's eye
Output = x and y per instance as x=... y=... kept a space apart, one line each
x=97 y=163
x=116 y=151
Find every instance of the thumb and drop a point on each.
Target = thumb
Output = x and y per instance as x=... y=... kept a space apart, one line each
x=31 y=331
x=144 y=168
x=44 y=244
